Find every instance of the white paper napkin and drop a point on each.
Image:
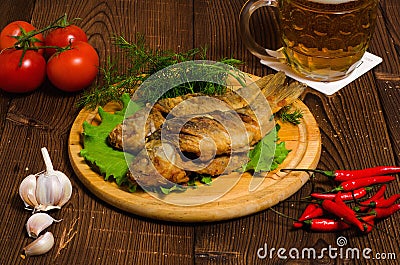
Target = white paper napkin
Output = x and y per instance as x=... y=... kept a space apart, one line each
x=368 y=62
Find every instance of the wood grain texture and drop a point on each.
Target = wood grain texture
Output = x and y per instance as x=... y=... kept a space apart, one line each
x=358 y=125
x=11 y=11
x=386 y=43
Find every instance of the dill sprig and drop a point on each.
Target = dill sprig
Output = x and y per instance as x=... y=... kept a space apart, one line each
x=286 y=116
x=142 y=62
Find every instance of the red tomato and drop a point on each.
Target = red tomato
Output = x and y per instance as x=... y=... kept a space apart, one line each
x=7 y=35
x=62 y=37
x=25 y=78
x=73 y=69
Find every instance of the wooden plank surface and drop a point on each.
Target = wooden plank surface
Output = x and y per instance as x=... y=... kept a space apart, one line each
x=359 y=127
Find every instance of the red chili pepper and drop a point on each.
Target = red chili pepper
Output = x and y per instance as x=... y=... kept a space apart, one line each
x=325 y=225
x=310 y=208
x=382 y=203
x=345 y=175
x=377 y=196
x=364 y=182
x=381 y=213
x=380 y=193
x=298 y=224
x=318 y=212
x=339 y=201
x=341 y=210
x=369 y=222
x=346 y=196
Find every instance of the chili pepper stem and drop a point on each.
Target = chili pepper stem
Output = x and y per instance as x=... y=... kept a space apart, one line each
x=329 y=174
x=301 y=201
x=283 y=215
x=364 y=214
x=308 y=198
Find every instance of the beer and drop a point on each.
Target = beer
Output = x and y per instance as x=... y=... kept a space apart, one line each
x=325 y=39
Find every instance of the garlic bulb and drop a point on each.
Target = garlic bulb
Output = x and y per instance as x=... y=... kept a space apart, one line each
x=39 y=222
x=46 y=190
x=41 y=245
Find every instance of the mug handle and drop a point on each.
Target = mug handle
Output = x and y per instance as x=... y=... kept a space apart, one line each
x=248 y=40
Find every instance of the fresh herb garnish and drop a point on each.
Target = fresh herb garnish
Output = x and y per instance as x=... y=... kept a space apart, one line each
x=142 y=61
x=286 y=116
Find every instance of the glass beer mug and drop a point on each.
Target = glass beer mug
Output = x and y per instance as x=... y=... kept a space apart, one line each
x=322 y=40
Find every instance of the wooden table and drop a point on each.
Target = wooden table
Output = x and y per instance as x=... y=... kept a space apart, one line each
x=359 y=128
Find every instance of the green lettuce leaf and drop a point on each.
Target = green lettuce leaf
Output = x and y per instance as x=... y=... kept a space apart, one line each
x=106 y=160
x=267 y=155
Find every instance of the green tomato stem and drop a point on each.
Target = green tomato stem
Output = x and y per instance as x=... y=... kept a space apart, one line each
x=25 y=38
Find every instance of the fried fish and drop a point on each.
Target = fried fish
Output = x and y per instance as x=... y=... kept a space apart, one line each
x=194 y=134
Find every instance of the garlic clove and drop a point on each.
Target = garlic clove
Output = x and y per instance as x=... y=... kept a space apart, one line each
x=27 y=191
x=66 y=187
x=61 y=195
x=48 y=192
x=38 y=222
x=41 y=245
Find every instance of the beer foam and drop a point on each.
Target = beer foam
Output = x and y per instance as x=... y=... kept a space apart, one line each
x=332 y=2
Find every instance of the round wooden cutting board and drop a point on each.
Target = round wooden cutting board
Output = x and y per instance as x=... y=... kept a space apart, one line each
x=242 y=199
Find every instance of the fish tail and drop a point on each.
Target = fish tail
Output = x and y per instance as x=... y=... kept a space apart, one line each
x=279 y=93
